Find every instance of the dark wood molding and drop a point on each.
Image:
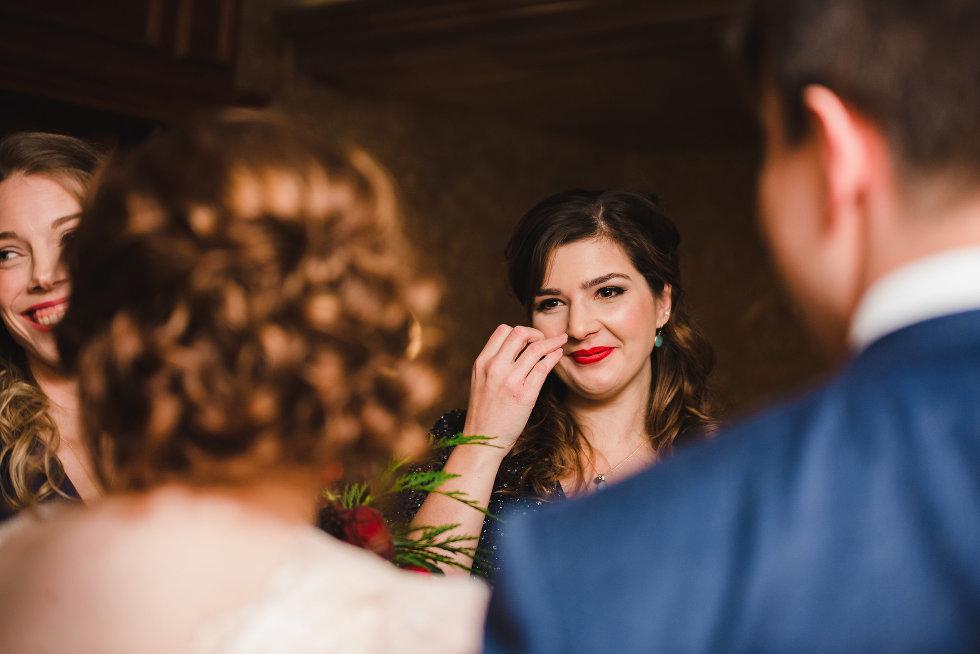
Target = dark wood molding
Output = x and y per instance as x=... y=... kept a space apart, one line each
x=153 y=59
x=637 y=74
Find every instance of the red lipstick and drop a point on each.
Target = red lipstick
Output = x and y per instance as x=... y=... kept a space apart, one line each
x=592 y=355
x=45 y=315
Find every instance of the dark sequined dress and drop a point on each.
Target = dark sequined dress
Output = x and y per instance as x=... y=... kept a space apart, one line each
x=505 y=502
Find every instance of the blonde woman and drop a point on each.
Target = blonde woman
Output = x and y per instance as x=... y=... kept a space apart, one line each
x=42 y=180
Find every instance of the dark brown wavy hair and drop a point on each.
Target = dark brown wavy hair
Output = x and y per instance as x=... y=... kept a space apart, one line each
x=29 y=469
x=243 y=302
x=679 y=406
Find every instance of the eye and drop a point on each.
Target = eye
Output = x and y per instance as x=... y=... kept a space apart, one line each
x=67 y=237
x=607 y=292
x=8 y=254
x=547 y=304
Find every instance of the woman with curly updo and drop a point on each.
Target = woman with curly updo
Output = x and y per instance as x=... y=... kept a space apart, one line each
x=609 y=377
x=240 y=322
x=43 y=178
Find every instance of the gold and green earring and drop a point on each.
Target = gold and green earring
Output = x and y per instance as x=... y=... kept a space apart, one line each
x=657 y=342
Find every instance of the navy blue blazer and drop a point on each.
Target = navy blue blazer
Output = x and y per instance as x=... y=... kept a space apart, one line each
x=847 y=520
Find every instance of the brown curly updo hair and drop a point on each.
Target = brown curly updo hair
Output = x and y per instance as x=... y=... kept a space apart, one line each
x=242 y=301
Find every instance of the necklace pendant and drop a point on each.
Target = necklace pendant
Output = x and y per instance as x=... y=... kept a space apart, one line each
x=600 y=482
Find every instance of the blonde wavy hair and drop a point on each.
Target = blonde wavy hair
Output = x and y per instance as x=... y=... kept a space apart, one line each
x=29 y=470
x=243 y=302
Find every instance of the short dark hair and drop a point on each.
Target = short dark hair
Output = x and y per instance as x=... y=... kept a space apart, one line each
x=911 y=66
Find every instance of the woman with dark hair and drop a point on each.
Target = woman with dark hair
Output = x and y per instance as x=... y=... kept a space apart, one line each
x=239 y=324
x=43 y=178
x=610 y=376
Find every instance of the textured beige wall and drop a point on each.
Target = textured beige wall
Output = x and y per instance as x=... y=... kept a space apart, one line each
x=464 y=180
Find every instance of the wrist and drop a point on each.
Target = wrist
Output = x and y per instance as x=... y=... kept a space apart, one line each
x=495 y=440
x=482 y=454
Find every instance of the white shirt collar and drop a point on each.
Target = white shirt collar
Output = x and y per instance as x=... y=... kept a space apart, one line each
x=930 y=287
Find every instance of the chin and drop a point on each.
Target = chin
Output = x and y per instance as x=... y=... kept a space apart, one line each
x=45 y=355
x=591 y=389
x=592 y=393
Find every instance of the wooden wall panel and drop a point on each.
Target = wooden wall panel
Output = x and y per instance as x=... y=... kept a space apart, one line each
x=155 y=59
x=641 y=75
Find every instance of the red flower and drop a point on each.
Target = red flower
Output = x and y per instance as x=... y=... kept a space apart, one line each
x=365 y=527
x=361 y=526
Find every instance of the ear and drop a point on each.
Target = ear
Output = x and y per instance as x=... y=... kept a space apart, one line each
x=844 y=148
x=665 y=304
x=848 y=154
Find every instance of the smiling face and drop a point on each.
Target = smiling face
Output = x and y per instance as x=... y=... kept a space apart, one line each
x=37 y=215
x=592 y=292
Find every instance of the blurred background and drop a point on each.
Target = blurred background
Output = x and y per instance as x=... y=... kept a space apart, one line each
x=479 y=109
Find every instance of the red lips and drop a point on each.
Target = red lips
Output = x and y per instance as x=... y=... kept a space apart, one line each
x=592 y=355
x=45 y=315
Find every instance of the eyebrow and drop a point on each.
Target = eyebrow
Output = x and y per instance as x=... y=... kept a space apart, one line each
x=66 y=219
x=58 y=222
x=601 y=279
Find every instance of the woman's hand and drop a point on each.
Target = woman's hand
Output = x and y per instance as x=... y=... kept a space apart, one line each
x=507 y=377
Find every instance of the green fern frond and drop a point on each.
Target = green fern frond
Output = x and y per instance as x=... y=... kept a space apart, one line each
x=439 y=442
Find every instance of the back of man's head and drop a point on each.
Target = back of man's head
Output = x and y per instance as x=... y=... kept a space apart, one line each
x=911 y=66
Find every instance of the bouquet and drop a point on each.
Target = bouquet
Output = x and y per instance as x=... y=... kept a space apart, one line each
x=355 y=515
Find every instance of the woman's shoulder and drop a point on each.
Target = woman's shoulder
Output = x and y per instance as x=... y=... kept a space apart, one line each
x=330 y=596
x=267 y=586
x=371 y=576
x=34 y=524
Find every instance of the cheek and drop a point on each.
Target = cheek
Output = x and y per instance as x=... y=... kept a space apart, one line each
x=781 y=201
x=638 y=321
x=769 y=201
x=10 y=285
x=549 y=324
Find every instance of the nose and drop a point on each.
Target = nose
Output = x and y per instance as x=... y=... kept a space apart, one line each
x=582 y=322
x=47 y=272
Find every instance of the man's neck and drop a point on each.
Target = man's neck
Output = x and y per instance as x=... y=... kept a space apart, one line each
x=926 y=225
x=924 y=265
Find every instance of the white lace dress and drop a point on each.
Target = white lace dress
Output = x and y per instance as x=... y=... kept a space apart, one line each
x=206 y=577
x=334 y=598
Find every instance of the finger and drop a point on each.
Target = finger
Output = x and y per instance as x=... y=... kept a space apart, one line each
x=517 y=340
x=534 y=352
x=535 y=378
x=492 y=347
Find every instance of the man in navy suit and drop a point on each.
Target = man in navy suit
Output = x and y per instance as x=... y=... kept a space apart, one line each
x=847 y=519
